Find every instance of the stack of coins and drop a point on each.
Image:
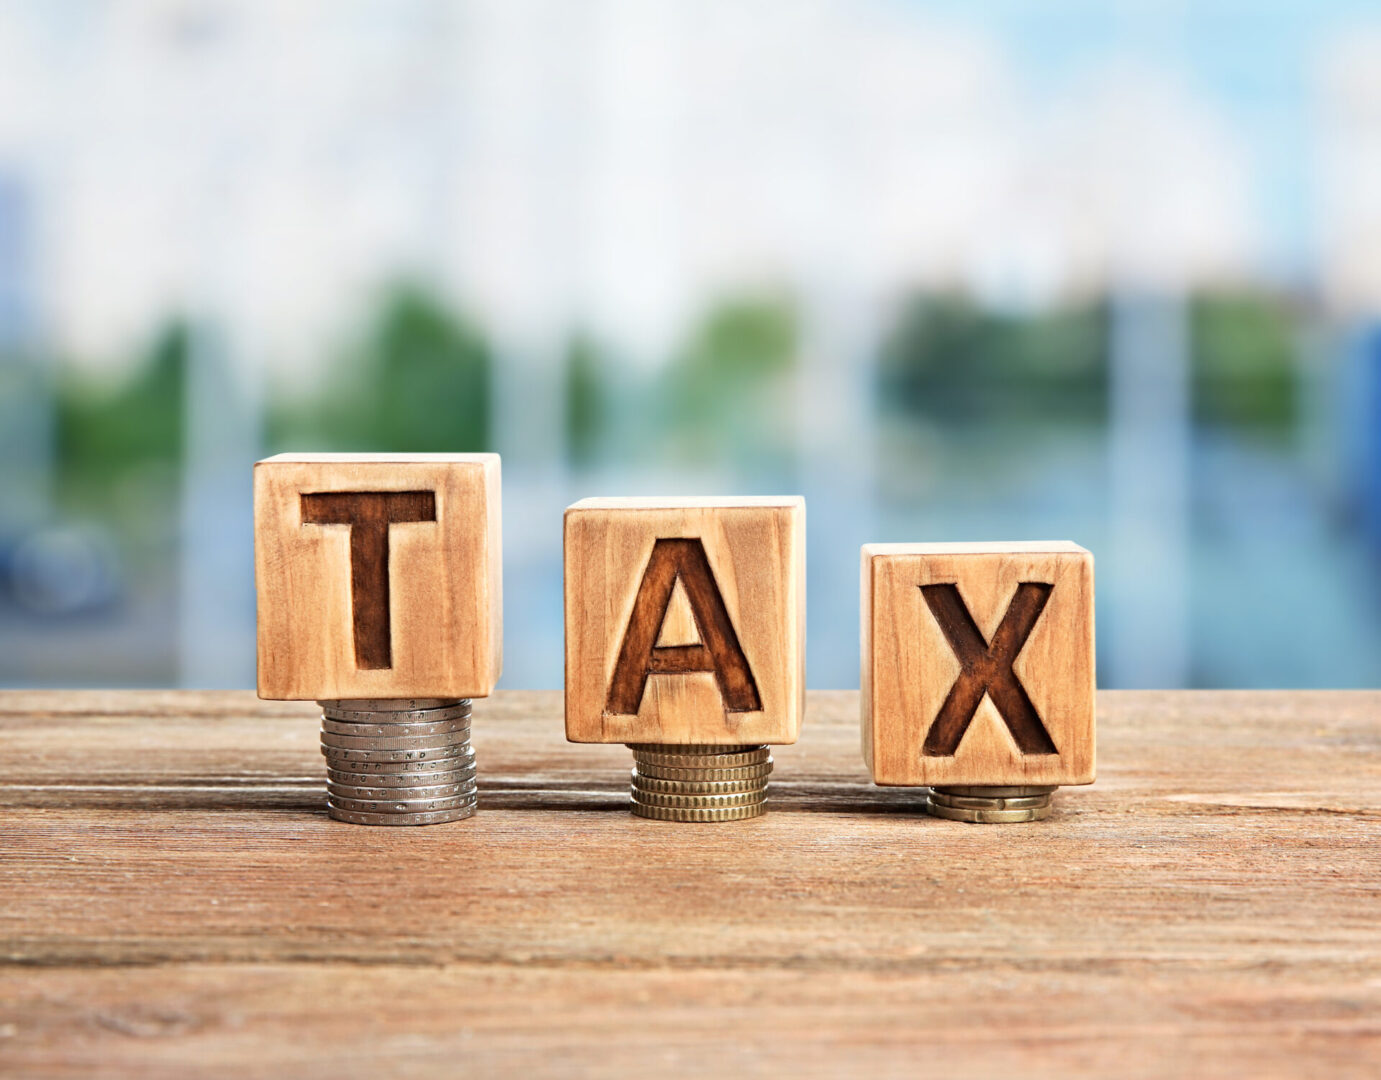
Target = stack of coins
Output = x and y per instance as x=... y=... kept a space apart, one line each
x=404 y=762
x=700 y=783
x=990 y=805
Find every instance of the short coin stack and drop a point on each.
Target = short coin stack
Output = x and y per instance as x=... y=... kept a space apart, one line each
x=990 y=805
x=700 y=783
x=398 y=762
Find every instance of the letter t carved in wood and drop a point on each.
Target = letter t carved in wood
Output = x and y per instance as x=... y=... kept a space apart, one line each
x=378 y=576
x=369 y=514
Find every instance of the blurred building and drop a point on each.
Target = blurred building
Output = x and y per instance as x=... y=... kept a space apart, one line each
x=629 y=178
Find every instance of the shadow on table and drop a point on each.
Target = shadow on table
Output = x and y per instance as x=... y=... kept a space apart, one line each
x=308 y=795
x=783 y=796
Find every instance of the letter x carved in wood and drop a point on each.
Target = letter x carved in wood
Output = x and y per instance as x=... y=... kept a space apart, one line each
x=719 y=650
x=369 y=514
x=987 y=669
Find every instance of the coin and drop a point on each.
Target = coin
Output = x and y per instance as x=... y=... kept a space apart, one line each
x=393 y=731
x=440 y=764
x=393 y=704
x=432 y=753
x=421 y=791
x=674 y=758
x=380 y=742
x=435 y=817
x=401 y=716
x=416 y=778
x=700 y=802
x=987 y=817
x=667 y=772
x=968 y=802
x=696 y=787
x=401 y=780
x=675 y=813
x=979 y=791
x=402 y=769
x=401 y=806
x=408 y=720
x=693 y=748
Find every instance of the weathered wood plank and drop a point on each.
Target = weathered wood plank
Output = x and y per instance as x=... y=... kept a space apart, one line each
x=175 y=900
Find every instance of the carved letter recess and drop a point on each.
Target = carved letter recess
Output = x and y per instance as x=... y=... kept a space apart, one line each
x=987 y=669
x=718 y=651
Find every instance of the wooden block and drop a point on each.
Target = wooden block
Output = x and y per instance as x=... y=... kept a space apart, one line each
x=977 y=663
x=685 y=620
x=378 y=576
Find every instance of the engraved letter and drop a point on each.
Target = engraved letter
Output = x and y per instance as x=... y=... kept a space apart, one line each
x=718 y=651
x=369 y=514
x=987 y=669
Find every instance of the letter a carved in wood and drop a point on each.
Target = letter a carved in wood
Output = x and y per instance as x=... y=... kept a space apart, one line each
x=987 y=669
x=718 y=651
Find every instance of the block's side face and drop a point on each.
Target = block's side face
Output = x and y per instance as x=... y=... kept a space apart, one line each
x=865 y=656
x=1019 y=709
x=493 y=487
x=796 y=663
x=573 y=599
x=1081 y=668
x=330 y=534
x=684 y=624
x=274 y=605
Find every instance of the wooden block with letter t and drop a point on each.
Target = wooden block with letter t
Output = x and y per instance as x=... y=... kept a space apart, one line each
x=978 y=664
x=685 y=620
x=378 y=576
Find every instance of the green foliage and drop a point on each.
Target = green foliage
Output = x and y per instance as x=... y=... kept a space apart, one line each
x=587 y=405
x=728 y=393
x=1244 y=363
x=103 y=432
x=418 y=381
x=742 y=341
x=950 y=360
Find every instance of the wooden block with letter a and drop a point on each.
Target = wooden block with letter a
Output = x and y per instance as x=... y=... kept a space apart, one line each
x=685 y=620
x=978 y=664
x=378 y=576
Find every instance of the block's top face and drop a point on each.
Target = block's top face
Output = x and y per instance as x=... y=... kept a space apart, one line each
x=978 y=663
x=685 y=620
x=382 y=459
x=691 y=502
x=992 y=547
x=378 y=575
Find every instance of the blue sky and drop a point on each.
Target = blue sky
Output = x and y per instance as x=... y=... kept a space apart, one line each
x=1257 y=63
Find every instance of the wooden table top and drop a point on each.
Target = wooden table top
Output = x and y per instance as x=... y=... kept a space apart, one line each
x=174 y=902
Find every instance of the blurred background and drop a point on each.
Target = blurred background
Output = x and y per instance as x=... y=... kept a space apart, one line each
x=1050 y=269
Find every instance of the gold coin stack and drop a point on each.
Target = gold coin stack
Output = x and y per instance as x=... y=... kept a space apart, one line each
x=700 y=783
x=398 y=762
x=989 y=805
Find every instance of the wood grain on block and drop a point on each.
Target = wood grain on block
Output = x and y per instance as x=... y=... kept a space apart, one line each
x=978 y=663
x=378 y=576
x=685 y=620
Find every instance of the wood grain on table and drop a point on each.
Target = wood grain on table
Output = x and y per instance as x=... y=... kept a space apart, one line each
x=175 y=902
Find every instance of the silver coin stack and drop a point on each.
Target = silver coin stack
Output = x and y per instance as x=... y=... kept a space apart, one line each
x=989 y=805
x=700 y=783
x=398 y=762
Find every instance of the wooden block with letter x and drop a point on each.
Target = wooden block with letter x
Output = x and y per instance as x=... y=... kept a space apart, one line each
x=685 y=620
x=978 y=664
x=378 y=576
